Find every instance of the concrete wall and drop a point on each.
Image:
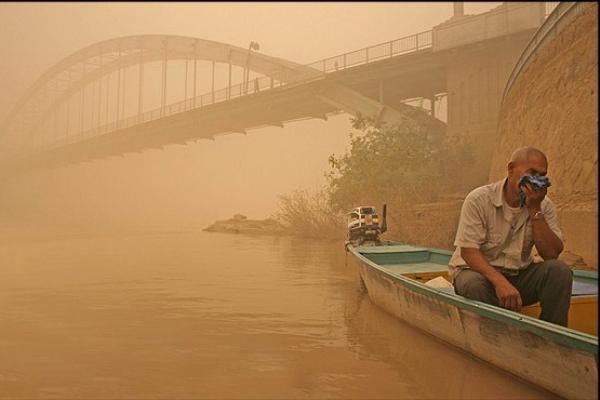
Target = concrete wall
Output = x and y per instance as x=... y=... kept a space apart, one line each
x=482 y=50
x=553 y=105
x=431 y=225
x=506 y=19
x=475 y=82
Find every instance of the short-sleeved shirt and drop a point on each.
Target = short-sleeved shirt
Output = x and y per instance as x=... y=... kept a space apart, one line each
x=505 y=238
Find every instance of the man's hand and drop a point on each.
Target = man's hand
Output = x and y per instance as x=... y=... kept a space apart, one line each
x=533 y=196
x=508 y=296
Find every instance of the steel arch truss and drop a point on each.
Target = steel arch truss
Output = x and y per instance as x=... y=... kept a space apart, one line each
x=90 y=64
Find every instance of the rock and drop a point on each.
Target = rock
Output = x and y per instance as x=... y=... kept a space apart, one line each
x=241 y=224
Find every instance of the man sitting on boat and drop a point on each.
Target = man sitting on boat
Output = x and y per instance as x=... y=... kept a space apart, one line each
x=499 y=224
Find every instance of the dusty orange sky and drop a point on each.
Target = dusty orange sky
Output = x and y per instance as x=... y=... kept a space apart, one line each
x=206 y=180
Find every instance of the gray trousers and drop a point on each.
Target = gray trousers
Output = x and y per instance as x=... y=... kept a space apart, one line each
x=549 y=282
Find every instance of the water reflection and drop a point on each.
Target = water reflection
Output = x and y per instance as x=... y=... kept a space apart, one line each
x=194 y=315
x=430 y=368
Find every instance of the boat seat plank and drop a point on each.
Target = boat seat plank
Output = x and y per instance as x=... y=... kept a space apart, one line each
x=582 y=289
x=398 y=248
x=402 y=269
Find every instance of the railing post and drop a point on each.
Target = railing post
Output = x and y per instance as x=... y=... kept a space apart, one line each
x=367 y=60
x=417 y=41
x=391 y=48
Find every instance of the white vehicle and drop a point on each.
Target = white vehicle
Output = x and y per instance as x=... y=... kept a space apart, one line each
x=363 y=224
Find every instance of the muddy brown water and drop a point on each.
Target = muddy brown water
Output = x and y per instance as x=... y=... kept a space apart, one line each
x=194 y=315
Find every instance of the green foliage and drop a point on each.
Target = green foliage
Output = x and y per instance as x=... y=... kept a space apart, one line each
x=406 y=163
x=310 y=215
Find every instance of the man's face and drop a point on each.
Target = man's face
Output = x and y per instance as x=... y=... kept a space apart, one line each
x=534 y=165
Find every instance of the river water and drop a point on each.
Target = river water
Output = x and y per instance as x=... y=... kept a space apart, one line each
x=191 y=315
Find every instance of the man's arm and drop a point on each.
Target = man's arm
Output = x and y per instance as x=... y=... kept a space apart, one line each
x=547 y=243
x=508 y=295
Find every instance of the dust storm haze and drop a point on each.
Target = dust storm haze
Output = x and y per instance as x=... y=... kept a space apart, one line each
x=188 y=186
x=109 y=288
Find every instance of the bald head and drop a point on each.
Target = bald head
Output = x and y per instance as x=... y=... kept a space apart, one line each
x=522 y=154
x=526 y=161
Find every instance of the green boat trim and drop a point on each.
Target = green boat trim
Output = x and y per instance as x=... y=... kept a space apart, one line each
x=592 y=275
x=563 y=335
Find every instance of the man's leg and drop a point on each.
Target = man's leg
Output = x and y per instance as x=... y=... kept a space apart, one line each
x=549 y=282
x=473 y=285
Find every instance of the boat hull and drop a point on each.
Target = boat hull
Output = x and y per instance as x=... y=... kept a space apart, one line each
x=516 y=343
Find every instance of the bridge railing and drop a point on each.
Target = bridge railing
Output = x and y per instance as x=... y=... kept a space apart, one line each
x=299 y=75
x=550 y=6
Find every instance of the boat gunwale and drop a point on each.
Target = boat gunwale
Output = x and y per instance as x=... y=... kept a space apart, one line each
x=563 y=335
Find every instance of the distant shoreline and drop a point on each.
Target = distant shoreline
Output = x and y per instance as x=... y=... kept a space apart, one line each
x=241 y=224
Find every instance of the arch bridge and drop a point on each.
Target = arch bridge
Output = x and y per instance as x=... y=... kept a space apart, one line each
x=133 y=93
x=119 y=89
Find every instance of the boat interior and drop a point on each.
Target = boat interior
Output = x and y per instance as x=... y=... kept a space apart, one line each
x=430 y=267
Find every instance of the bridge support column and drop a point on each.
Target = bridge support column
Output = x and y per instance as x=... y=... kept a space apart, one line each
x=140 y=88
x=81 y=108
x=99 y=100
x=229 y=76
x=124 y=91
x=213 y=83
x=118 y=91
x=185 y=84
x=107 y=97
x=68 y=102
x=195 y=73
x=163 y=92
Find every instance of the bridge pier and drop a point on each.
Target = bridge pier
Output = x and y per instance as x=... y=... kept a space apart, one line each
x=477 y=70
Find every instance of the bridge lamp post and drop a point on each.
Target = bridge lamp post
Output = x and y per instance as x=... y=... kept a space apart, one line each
x=252 y=46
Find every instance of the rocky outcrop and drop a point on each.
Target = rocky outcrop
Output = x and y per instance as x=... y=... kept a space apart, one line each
x=241 y=224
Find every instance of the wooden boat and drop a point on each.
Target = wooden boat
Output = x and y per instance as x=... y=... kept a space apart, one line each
x=397 y=278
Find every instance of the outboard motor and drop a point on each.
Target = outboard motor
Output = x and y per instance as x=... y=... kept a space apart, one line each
x=364 y=227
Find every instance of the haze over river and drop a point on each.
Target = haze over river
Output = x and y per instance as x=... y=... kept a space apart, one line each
x=191 y=314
